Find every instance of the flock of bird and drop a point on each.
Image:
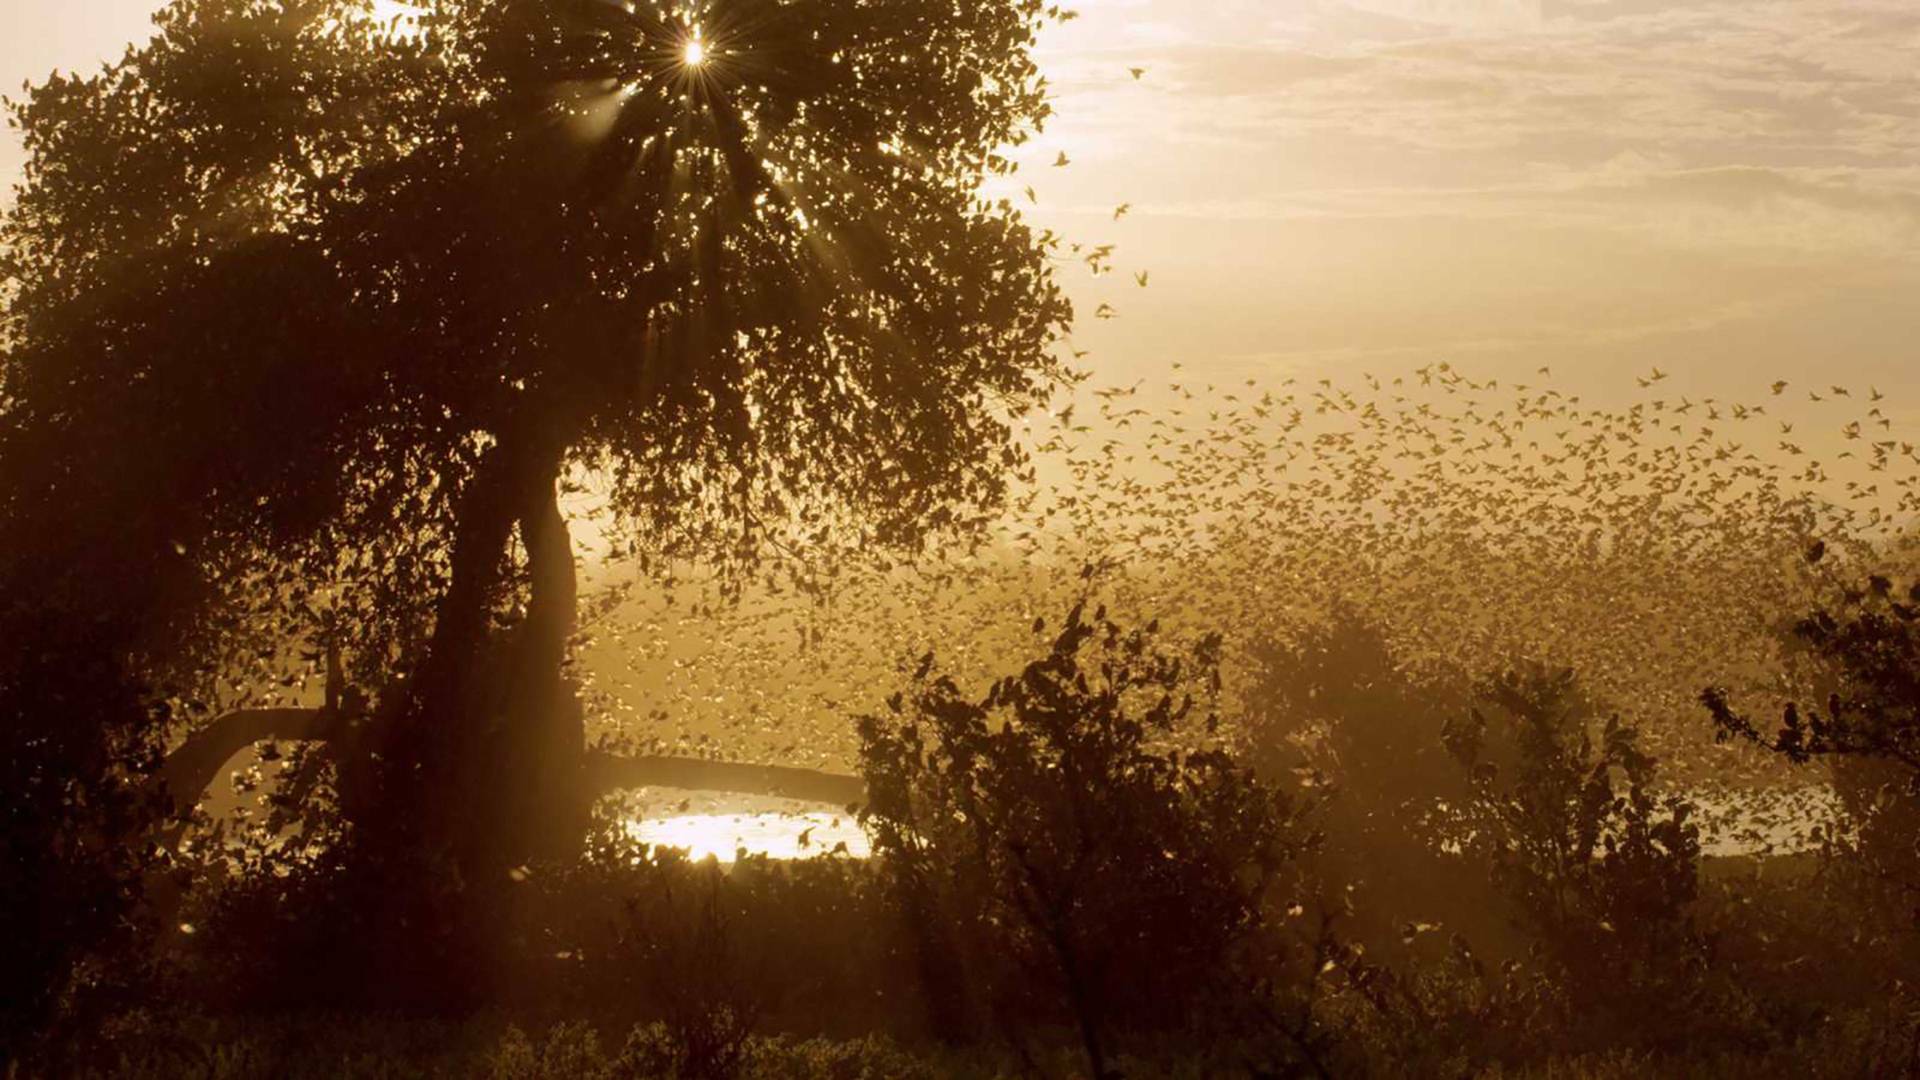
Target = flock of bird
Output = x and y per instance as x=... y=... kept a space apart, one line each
x=1654 y=542
x=1655 y=545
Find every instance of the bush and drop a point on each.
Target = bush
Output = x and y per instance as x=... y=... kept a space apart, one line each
x=1600 y=870
x=1865 y=655
x=1334 y=698
x=81 y=746
x=1075 y=847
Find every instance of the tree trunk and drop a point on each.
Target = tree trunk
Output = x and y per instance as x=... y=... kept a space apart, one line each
x=430 y=863
x=429 y=786
x=534 y=778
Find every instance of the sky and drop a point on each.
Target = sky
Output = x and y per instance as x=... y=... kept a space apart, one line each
x=1727 y=190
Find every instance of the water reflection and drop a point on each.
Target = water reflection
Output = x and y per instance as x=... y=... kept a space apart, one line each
x=721 y=825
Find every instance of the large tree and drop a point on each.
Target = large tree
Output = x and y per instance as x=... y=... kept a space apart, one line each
x=307 y=313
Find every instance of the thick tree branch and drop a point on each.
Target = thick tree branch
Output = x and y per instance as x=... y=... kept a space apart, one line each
x=191 y=769
x=488 y=511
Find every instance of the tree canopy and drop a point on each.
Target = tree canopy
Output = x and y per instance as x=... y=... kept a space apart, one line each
x=288 y=267
x=307 y=311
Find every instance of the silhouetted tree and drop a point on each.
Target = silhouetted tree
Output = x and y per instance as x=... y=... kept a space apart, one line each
x=1865 y=651
x=307 y=316
x=1869 y=645
x=1075 y=826
x=1600 y=868
x=1334 y=698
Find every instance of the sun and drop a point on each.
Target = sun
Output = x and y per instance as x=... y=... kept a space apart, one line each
x=695 y=53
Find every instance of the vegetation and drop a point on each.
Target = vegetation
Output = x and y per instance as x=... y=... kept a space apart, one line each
x=308 y=319
x=1371 y=742
x=1082 y=872
x=1030 y=831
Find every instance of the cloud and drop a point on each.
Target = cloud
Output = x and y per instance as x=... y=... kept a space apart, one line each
x=1746 y=210
x=1539 y=343
x=1475 y=14
x=1792 y=123
x=1699 y=184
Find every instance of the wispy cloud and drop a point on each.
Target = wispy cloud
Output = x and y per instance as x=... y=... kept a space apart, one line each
x=1604 y=180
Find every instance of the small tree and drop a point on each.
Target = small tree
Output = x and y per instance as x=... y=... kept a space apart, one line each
x=1333 y=697
x=1866 y=656
x=1079 y=822
x=1599 y=868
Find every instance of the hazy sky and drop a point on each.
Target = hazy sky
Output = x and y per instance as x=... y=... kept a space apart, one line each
x=1727 y=190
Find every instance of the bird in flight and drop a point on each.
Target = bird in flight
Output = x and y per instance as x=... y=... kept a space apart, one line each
x=1062 y=161
x=1136 y=72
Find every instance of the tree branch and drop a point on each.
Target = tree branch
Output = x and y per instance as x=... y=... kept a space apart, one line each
x=191 y=768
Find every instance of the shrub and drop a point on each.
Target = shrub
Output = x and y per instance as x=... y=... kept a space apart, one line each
x=1597 y=867
x=684 y=945
x=1334 y=698
x=1075 y=844
x=1865 y=652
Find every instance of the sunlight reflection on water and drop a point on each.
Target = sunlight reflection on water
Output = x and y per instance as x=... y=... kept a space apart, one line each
x=721 y=825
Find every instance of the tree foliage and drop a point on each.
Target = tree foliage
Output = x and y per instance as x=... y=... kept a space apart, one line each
x=764 y=279
x=1867 y=646
x=306 y=314
x=1865 y=651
